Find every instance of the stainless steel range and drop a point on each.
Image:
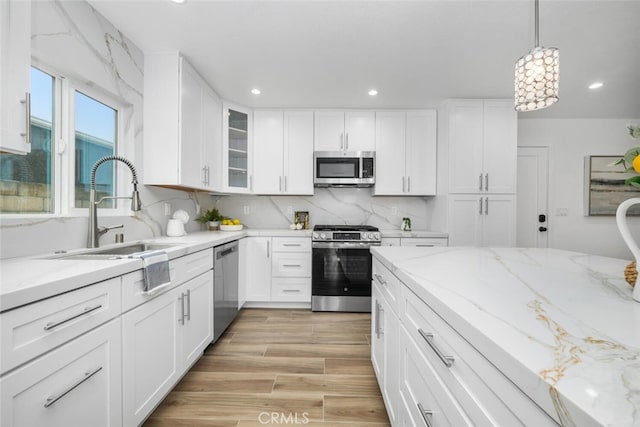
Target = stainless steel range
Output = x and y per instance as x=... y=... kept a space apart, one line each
x=341 y=272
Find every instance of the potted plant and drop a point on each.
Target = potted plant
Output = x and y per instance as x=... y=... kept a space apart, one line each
x=211 y=217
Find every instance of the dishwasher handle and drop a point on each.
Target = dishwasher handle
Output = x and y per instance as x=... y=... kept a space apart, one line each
x=224 y=252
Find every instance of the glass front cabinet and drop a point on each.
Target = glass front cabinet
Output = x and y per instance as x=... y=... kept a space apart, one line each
x=236 y=149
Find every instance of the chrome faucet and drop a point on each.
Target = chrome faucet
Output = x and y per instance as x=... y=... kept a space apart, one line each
x=94 y=231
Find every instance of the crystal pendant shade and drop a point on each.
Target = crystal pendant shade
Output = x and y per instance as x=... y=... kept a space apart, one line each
x=536 y=79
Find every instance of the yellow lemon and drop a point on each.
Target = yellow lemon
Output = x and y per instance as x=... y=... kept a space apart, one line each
x=236 y=221
x=636 y=164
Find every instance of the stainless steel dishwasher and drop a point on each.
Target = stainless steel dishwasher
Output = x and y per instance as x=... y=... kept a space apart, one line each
x=225 y=292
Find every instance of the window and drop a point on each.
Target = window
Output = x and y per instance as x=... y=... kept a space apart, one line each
x=72 y=126
x=27 y=180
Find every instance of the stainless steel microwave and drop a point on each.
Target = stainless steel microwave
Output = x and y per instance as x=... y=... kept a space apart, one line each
x=344 y=168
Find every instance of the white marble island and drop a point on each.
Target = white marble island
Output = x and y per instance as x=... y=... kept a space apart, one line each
x=562 y=326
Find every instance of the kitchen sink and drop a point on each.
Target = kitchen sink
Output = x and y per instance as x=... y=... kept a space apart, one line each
x=115 y=252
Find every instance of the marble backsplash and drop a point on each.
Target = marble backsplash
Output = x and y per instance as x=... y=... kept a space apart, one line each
x=327 y=206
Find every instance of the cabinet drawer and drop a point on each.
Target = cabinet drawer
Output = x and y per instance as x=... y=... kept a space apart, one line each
x=88 y=369
x=291 y=244
x=34 y=329
x=291 y=289
x=291 y=264
x=180 y=270
x=484 y=392
x=424 y=241
x=388 y=283
x=422 y=391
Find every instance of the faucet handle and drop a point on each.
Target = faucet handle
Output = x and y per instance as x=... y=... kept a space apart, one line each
x=103 y=230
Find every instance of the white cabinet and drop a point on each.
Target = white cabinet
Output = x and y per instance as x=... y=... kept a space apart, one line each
x=182 y=119
x=342 y=131
x=405 y=153
x=424 y=242
x=255 y=256
x=166 y=334
x=384 y=349
x=276 y=269
x=15 y=60
x=482 y=140
x=236 y=150
x=77 y=384
x=283 y=152
x=476 y=220
x=390 y=241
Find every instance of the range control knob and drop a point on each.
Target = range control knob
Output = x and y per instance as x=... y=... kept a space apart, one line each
x=376 y=236
x=323 y=236
x=314 y=236
x=364 y=236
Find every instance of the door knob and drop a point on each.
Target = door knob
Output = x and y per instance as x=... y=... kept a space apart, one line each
x=542 y=229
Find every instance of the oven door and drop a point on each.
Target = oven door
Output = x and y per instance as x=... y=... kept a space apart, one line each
x=341 y=271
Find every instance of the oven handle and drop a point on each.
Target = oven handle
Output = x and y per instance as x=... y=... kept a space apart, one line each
x=343 y=245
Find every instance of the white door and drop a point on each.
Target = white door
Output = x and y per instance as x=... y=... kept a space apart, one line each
x=421 y=153
x=390 y=153
x=500 y=137
x=267 y=145
x=498 y=221
x=465 y=146
x=191 y=172
x=298 y=152
x=212 y=138
x=197 y=331
x=258 y=271
x=360 y=131
x=329 y=131
x=465 y=217
x=532 y=205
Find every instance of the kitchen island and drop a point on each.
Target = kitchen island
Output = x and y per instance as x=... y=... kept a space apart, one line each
x=560 y=326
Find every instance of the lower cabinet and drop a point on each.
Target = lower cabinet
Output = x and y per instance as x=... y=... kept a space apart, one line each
x=482 y=220
x=414 y=241
x=276 y=269
x=77 y=384
x=161 y=339
x=384 y=350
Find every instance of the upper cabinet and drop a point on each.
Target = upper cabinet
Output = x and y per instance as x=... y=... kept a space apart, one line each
x=283 y=152
x=482 y=146
x=182 y=121
x=405 y=153
x=15 y=60
x=344 y=131
x=236 y=150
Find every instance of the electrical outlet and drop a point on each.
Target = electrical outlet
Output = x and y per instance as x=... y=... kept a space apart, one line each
x=245 y=209
x=167 y=209
x=290 y=210
x=394 y=210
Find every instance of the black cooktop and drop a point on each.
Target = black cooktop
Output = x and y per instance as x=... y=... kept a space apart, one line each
x=345 y=228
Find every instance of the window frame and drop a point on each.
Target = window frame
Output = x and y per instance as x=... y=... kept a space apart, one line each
x=63 y=148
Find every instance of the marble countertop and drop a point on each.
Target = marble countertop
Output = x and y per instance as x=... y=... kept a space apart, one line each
x=561 y=325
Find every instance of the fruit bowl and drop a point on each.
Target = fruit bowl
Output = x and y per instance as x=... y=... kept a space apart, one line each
x=231 y=227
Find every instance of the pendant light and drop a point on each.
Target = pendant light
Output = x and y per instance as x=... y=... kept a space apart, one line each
x=537 y=74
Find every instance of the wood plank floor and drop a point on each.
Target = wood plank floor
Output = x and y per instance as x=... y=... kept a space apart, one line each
x=281 y=367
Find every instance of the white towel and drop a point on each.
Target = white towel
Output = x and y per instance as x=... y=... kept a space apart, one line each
x=155 y=271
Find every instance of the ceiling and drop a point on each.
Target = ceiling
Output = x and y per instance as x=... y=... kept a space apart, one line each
x=328 y=54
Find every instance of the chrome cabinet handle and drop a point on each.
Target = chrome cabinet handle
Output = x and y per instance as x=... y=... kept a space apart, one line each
x=342 y=141
x=285 y=183
x=204 y=175
x=380 y=279
x=480 y=210
x=425 y=414
x=377 y=323
x=268 y=241
x=280 y=183
x=403 y=185
x=292 y=265
x=291 y=244
x=27 y=106
x=188 y=295
x=486 y=206
x=53 y=399
x=181 y=319
x=291 y=290
x=84 y=312
x=346 y=144
x=408 y=184
x=251 y=183
x=486 y=182
x=425 y=246
x=447 y=360
x=480 y=182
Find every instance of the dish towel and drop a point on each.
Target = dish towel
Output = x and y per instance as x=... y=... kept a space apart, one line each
x=155 y=270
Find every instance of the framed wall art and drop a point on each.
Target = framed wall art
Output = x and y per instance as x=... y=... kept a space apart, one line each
x=604 y=187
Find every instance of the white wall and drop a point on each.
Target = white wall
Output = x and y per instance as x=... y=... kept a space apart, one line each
x=569 y=141
x=73 y=39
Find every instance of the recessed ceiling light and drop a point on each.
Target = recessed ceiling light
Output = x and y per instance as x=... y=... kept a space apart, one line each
x=255 y=91
x=596 y=85
x=178 y=1
x=373 y=92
